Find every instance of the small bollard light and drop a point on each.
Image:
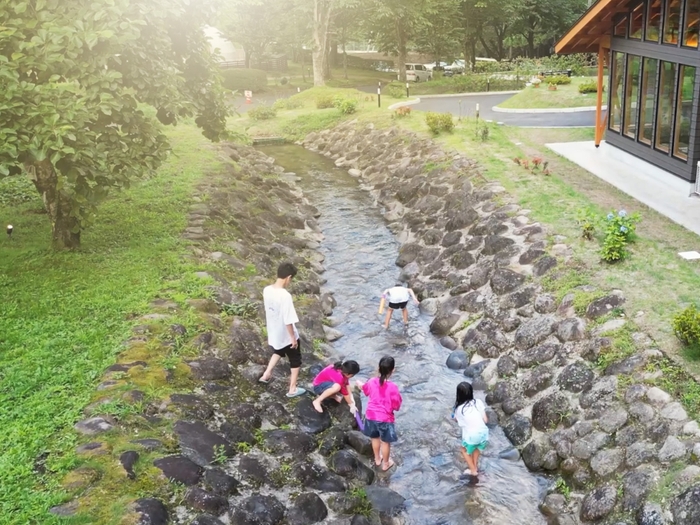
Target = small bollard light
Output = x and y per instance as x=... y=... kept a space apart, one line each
x=379 y=94
x=408 y=90
x=477 y=112
x=10 y=229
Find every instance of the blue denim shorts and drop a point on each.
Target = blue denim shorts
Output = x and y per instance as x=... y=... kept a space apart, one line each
x=321 y=388
x=378 y=429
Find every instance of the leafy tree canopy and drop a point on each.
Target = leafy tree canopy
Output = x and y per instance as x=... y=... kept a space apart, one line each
x=76 y=80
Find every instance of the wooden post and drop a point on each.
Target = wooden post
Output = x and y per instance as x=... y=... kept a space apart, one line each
x=599 y=96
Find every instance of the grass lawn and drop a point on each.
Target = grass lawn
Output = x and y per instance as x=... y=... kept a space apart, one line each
x=66 y=315
x=566 y=96
x=655 y=280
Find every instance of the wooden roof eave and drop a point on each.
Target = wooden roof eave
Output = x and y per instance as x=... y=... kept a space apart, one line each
x=586 y=34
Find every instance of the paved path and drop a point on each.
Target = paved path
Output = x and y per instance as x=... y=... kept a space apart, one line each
x=451 y=104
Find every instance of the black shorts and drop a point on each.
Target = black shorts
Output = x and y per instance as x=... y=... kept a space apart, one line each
x=293 y=354
x=398 y=306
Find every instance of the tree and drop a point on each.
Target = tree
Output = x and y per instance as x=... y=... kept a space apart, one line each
x=437 y=33
x=254 y=24
x=74 y=79
x=347 y=24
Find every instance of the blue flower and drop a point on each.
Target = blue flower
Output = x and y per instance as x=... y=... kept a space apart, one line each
x=622 y=213
x=610 y=216
x=623 y=229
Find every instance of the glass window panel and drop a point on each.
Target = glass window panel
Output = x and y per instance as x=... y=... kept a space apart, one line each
x=616 y=91
x=692 y=18
x=637 y=21
x=664 y=115
x=672 y=21
x=632 y=95
x=653 y=21
x=648 y=96
x=685 y=111
x=621 y=27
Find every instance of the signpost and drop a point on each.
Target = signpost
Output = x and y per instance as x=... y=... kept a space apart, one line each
x=248 y=96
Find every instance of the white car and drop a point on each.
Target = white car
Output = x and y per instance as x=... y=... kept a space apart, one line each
x=417 y=73
x=433 y=65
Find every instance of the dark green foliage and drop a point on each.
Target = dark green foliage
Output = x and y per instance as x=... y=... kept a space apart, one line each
x=240 y=80
x=438 y=122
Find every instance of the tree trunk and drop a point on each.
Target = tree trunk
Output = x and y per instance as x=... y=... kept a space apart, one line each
x=401 y=40
x=322 y=17
x=345 y=62
x=65 y=229
x=247 y=58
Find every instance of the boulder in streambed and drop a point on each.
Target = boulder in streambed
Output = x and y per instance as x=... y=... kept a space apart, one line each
x=457 y=360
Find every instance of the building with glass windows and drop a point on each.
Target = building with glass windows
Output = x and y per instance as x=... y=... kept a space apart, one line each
x=651 y=50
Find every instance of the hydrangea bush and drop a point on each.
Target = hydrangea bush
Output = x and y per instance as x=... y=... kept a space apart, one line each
x=619 y=232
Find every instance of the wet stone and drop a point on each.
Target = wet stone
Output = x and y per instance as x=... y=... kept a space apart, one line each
x=309 y=420
x=290 y=442
x=203 y=501
x=308 y=508
x=209 y=369
x=385 y=502
x=476 y=370
x=640 y=452
x=360 y=443
x=534 y=331
x=448 y=342
x=93 y=426
x=457 y=360
x=686 y=507
x=206 y=519
x=128 y=459
x=316 y=477
x=347 y=464
x=179 y=469
x=599 y=503
x=507 y=366
x=220 y=483
x=635 y=486
x=199 y=444
x=518 y=429
x=576 y=377
x=258 y=509
x=151 y=511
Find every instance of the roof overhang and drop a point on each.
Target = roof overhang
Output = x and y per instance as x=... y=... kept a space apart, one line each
x=592 y=29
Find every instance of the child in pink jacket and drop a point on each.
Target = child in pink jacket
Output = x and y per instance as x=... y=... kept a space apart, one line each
x=384 y=400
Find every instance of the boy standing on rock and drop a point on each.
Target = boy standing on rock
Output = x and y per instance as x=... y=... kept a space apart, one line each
x=398 y=298
x=282 y=334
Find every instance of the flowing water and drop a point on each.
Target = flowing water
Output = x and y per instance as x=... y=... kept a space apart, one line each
x=360 y=252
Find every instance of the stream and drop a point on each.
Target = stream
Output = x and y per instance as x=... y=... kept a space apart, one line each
x=360 y=252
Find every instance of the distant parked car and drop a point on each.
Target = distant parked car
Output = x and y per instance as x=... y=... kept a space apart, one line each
x=457 y=67
x=436 y=67
x=417 y=73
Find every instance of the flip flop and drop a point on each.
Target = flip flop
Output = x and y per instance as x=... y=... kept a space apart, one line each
x=299 y=392
x=264 y=381
x=391 y=465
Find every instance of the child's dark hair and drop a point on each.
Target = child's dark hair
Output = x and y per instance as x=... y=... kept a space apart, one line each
x=285 y=270
x=465 y=394
x=386 y=367
x=350 y=368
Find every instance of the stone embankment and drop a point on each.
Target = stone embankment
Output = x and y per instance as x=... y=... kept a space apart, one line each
x=573 y=381
x=180 y=430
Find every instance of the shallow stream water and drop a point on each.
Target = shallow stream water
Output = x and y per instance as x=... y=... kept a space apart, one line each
x=360 y=252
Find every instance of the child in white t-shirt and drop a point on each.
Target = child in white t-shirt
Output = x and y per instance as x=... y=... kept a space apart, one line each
x=398 y=298
x=470 y=414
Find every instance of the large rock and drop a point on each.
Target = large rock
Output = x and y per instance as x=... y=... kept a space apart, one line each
x=550 y=411
x=179 y=469
x=607 y=462
x=495 y=243
x=309 y=420
x=589 y=444
x=203 y=501
x=504 y=281
x=538 y=380
x=686 y=507
x=576 y=377
x=209 y=368
x=93 y=426
x=200 y=444
x=151 y=512
x=635 y=487
x=349 y=465
x=672 y=450
x=604 y=305
x=408 y=253
x=599 y=503
x=220 y=483
x=613 y=419
x=332 y=441
x=259 y=510
x=315 y=477
x=385 y=502
x=443 y=322
x=518 y=429
x=674 y=412
x=290 y=442
x=538 y=455
x=544 y=265
x=360 y=443
x=506 y=366
x=651 y=514
x=308 y=508
x=457 y=360
x=206 y=519
x=537 y=355
x=534 y=331
x=639 y=453
x=572 y=329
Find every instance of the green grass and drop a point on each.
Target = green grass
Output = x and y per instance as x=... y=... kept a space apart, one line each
x=566 y=96
x=357 y=77
x=65 y=315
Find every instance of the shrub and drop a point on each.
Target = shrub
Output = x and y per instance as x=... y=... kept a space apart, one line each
x=325 y=102
x=559 y=80
x=17 y=190
x=346 y=106
x=438 y=122
x=288 y=103
x=590 y=86
x=482 y=131
x=587 y=222
x=686 y=326
x=396 y=91
x=619 y=233
x=244 y=79
x=262 y=113
x=403 y=112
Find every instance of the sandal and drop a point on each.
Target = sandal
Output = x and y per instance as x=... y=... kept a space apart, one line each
x=299 y=392
x=386 y=468
x=264 y=381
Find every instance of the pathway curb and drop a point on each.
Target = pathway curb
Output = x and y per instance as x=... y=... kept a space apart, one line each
x=545 y=110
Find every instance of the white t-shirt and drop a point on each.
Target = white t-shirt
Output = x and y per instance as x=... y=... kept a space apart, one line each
x=398 y=294
x=470 y=417
x=279 y=312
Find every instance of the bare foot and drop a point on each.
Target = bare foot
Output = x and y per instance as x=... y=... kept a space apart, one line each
x=388 y=465
x=378 y=461
x=317 y=406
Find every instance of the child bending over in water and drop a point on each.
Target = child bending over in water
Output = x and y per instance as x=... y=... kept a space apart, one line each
x=384 y=400
x=398 y=298
x=333 y=381
x=470 y=414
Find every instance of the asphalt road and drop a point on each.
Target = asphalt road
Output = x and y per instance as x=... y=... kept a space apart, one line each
x=468 y=104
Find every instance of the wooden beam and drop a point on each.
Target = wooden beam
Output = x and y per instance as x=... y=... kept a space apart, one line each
x=588 y=18
x=599 y=97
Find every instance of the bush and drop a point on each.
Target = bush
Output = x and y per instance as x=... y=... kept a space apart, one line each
x=686 y=326
x=590 y=86
x=559 y=80
x=618 y=233
x=396 y=91
x=482 y=131
x=402 y=112
x=17 y=189
x=587 y=221
x=579 y=64
x=262 y=113
x=325 y=102
x=287 y=103
x=438 y=122
x=346 y=106
x=244 y=79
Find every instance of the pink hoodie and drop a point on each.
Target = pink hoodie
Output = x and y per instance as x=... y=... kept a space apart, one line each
x=384 y=400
